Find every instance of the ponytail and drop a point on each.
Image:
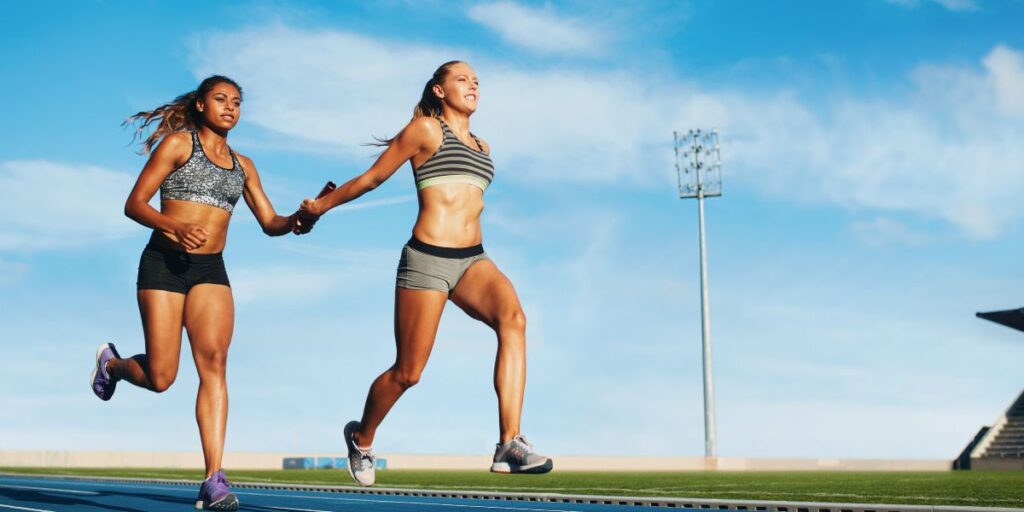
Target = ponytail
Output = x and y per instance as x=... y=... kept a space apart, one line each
x=429 y=105
x=176 y=116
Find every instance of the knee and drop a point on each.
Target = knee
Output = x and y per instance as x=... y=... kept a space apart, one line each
x=161 y=382
x=212 y=363
x=406 y=379
x=512 y=319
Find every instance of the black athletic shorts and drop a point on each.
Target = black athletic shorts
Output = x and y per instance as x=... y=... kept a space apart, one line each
x=177 y=271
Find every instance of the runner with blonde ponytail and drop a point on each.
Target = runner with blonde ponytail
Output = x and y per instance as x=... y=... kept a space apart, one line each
x=444 y=260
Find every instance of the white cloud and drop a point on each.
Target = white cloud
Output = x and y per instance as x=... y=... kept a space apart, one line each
x=329 y=87
x=885 y=231
x=12 y=272
x=47 y=204
x=948 y=149
x=376 y=203
x=1006 y=70
x=958 y=5
x=952 y=5
x=537 y=30
x=313 y=274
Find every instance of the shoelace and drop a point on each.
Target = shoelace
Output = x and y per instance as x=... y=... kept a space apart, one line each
x=223 y=479
x=367 y=459
x=521 y=448
x=526 y=444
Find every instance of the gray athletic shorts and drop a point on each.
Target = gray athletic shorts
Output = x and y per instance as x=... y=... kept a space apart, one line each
x=429 y=267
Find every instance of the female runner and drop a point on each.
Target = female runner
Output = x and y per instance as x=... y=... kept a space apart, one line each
x=444 y=260
x=182 y=281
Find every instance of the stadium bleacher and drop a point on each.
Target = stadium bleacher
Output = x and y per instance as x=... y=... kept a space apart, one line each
x=1002 y=447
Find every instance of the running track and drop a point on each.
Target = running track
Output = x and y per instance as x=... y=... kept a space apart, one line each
x=57 y=495
x=80 y=494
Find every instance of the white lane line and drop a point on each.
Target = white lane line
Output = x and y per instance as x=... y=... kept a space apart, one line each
x=51 y=489
x=299 y=509
x=121 y=486
x=241 y=492
x=398 y=502
x=25 y=508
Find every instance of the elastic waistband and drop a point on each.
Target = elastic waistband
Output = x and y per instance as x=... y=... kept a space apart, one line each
x=178 y=253
x=446 y=252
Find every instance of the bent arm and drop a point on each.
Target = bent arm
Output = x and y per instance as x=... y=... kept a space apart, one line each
x=272 y=223
x=173 y=151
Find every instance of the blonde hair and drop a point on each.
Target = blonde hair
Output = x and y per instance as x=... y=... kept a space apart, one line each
x=429 y=105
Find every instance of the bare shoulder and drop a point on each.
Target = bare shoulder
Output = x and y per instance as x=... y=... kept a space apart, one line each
x=423 y=127
x=175 y=148
x=421 y=133
x=246 y=161
x=248 y=166
x=176 y=142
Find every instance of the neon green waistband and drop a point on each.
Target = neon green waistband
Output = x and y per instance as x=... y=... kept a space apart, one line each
x=452 y=178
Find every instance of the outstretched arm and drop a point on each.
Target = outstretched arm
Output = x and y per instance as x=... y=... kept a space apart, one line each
x=172 y=152
x=272 y=223
x=417 y=136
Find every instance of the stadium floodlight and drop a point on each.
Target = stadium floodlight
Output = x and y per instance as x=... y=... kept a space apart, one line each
x=700 y=176
x=1012 y=318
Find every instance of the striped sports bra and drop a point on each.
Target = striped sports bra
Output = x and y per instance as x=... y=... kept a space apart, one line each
x=201 y=181
x=455 y=162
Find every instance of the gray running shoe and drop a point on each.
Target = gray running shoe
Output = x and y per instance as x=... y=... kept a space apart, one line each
x=360 y=463
x=517 y=456
x=100 y=381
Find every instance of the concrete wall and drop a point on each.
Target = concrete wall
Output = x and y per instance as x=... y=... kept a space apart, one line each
x=479 y=462
x=994 y=464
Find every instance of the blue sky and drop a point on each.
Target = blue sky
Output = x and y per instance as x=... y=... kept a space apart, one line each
x=872 y=171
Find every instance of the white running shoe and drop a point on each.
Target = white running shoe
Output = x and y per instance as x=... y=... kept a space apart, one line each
x=517 y=456
x=360 y=463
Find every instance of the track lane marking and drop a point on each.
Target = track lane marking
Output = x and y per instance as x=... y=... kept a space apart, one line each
x=90 y=493
x=397 y=502
x=241 y=492
x=25 y=508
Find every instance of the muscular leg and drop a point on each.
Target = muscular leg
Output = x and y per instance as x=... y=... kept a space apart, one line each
x=417 y=314
x=155 y=370
x=487 y=295
x=210 y=319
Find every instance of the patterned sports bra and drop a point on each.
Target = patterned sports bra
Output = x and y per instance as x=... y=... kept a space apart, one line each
x=201 y=181
x=455 y=162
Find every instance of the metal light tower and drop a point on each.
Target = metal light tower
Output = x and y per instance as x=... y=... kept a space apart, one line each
x=700 y=176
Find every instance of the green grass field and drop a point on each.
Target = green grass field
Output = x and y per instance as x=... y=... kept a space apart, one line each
x=966 y=488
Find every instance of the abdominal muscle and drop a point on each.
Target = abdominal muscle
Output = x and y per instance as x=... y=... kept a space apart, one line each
x=214 y=219
x=450 y=215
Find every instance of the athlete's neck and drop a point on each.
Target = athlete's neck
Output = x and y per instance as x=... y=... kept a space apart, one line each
x=213 y=141
x=457 y=122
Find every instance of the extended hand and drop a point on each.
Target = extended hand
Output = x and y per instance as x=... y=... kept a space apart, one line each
x=311 y=208
x=302 y=224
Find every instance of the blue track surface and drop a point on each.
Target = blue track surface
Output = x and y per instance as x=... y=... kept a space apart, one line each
x=47 y=494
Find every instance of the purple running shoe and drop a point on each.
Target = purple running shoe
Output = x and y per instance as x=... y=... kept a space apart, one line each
x=215 y=495
x=100 y=381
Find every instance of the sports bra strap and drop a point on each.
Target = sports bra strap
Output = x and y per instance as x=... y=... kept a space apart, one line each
x=447 y=130
x=480 y=147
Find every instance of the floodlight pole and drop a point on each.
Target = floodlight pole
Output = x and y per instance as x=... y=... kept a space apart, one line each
x=695 y=144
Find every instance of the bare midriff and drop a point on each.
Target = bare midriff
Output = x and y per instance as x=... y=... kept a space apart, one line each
x=450 y=215
x=214 y=219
